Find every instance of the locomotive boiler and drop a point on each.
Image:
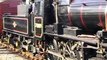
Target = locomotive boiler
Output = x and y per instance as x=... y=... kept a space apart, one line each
x=88 y=16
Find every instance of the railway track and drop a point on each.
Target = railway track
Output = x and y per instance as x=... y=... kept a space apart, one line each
x=7 y=52
x=7 y=55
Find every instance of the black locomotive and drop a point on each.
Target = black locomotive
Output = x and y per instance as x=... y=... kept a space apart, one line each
x=68 y=29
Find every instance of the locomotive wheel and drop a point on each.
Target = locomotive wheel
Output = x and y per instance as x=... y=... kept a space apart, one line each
x=53 y=47
x=4 y=38
x=78 y=55
x=25 y=44
x=15 y=42
x=71 y=50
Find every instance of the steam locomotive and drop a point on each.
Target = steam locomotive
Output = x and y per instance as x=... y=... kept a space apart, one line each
x=68 y=29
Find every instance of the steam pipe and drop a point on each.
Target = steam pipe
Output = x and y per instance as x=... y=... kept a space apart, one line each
x=56 y=10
